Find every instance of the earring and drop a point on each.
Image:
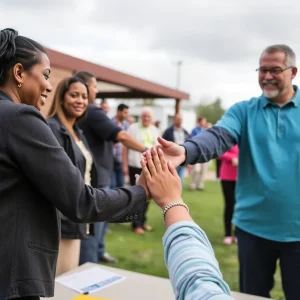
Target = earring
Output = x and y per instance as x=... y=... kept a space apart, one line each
x=19 y=85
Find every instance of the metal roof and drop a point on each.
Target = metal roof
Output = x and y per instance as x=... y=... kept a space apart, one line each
x=118 y=84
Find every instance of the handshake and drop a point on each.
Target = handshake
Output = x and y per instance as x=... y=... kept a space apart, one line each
x=159 y=176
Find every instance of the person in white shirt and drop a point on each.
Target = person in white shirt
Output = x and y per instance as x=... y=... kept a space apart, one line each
x=177 y=134
x=146 y=133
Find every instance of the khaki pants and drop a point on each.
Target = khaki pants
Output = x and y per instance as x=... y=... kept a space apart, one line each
x=68 y=256
x=198 y=175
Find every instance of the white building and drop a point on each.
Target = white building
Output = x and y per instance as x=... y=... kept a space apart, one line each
x=162 y=113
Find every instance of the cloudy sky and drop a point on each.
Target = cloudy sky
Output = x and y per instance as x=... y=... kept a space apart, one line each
x=219 y=42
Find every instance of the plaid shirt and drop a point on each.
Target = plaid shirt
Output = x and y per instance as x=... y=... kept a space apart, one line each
x=117 y=148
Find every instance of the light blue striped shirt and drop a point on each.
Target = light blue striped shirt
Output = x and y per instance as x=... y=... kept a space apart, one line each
x=193 y=269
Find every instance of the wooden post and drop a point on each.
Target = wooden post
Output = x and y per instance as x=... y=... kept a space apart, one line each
x=177 y=106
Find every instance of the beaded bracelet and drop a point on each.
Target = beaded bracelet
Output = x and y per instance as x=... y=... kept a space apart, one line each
x=172 y=204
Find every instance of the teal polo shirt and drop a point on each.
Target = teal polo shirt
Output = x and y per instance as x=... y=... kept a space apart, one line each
x=268 y=185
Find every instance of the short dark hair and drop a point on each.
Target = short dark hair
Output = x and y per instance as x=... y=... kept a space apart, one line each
x=122 y=106
x=17 y=49
x=84 y=75
x=200 y=119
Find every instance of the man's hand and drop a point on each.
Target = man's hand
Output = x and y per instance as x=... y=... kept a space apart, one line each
x=173 y=152
x=141 y=180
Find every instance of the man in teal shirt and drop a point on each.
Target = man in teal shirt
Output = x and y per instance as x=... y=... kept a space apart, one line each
x=267 y=211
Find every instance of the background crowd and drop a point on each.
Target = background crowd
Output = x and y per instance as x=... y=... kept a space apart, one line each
x=119 y=164
x=70 y=170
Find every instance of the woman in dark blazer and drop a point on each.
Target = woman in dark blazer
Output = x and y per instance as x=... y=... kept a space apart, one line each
x=68 y=108
x=37 y=176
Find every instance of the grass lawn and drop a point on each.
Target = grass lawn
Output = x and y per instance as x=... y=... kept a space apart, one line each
x=144 y=254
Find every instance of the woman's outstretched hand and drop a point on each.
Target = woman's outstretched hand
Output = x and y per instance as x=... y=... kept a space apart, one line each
x=161 y=177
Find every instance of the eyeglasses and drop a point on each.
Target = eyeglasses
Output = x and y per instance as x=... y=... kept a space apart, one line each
x=273 y=71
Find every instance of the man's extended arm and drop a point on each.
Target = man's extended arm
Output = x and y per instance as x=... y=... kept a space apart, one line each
x=105 y=129
x=211 y=143
x=208 y=144
x=130 y=142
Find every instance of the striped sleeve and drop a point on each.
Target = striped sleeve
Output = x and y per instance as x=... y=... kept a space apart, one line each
x=193 y=269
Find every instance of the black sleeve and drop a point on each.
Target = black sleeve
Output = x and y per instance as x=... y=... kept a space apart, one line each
x=101 y=125
x=166 y=134
x=187 y=135
x=55 y=130
x=47 y=167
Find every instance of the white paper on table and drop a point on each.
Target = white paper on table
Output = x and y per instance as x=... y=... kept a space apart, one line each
x=89 y=280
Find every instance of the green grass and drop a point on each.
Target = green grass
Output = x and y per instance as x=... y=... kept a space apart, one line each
x=212 y=166
x=144 y=254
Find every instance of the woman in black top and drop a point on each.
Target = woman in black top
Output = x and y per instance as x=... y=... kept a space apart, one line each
x=68 y=108
x=37 y=176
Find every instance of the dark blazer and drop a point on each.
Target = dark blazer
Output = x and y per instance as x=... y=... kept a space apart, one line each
x=69 y=229
x=36 y=177
x=169 y=134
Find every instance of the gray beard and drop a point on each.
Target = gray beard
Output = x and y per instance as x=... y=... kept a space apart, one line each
x=271 y=95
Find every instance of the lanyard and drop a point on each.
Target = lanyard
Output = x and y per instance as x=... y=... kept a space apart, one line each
x=147 y=137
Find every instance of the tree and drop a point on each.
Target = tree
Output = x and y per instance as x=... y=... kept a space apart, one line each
x=212 y=111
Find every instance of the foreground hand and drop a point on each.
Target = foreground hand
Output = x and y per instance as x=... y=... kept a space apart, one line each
x=172 y=151
x=162 y=179
x=140 y=180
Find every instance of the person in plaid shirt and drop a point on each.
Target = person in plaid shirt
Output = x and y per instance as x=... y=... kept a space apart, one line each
x=121 y=121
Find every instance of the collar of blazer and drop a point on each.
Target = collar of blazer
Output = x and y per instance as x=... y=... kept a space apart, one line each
x=65 y=131
x=4 y=96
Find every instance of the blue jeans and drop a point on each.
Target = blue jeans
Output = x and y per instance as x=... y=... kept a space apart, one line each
x=117 y=178
x=258 y=258
x=93 y=247
x=181 y=171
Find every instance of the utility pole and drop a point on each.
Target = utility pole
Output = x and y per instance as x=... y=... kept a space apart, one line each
x=178 y=77
x=179 y=63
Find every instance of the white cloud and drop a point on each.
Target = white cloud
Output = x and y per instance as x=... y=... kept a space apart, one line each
x=219 y=42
